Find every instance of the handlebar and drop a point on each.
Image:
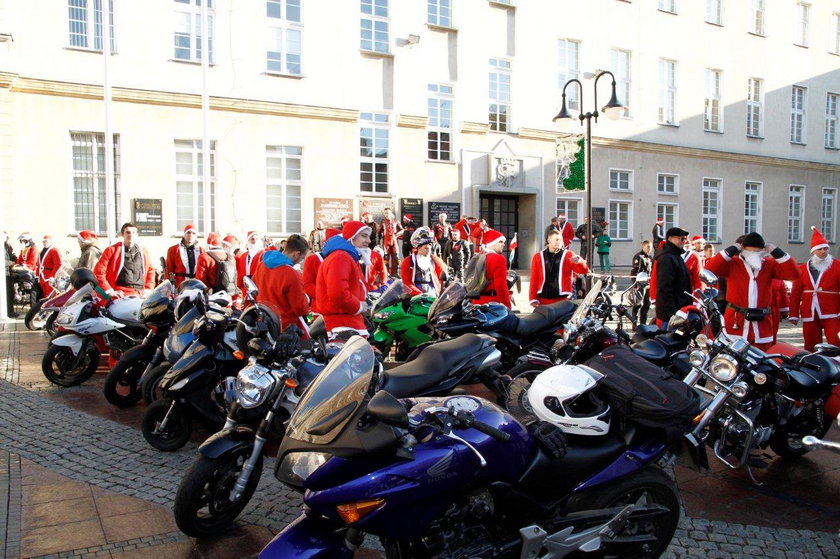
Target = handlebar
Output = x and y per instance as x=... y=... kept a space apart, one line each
x=468 y=420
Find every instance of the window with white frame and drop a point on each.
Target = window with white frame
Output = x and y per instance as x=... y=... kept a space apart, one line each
x=283 y=53
x=190 y=194
x=620 y=66
x=439 y=12
x=667 y=92
x=569 y=68
x=752 y=207
x=621 y=180
x=711 y=210
x=620 y=213
x=188 y=30
x=714 y=11
x=439 y=133
x=755 y=107
x=283 y=187
x=85 y=22
x=668 y=6
x=828 y=211
x=499 y=94
x=669 y=214
x=797 y=115
x=831 y=139
x=88 y=152
x=373 y=150
x=757 y=17
x=803 y=14
x=570 y=207
x=667 y=183
x=834 y=40
x=713 y=110
x=374 y=26
x=796 y=195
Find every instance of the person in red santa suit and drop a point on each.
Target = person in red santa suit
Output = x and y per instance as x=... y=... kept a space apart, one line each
x=376 y=273
x=495 y=270
x=422 y=271
x=281 y=286
x=477 y=232
x=28 y=253
x=388 y=230
x=49 y=263
x=553 y=271
x=567 y=232
x=248 y=259
x=312 y=263
x=125 y=267
x=340 y=289
x=779 y=305
x=815 y=296
x=694 y=258
x=207 y=271
x=749 y=270
x=182 y=258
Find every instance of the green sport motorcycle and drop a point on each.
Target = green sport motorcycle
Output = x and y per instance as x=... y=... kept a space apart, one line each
x=400 y=320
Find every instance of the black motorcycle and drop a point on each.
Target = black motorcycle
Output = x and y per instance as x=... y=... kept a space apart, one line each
x=26 y=288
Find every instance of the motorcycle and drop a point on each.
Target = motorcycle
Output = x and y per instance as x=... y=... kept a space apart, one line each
x=26 y=288
x=459 y=477
x=43 y=313
x=89 y=331
x=400 y=319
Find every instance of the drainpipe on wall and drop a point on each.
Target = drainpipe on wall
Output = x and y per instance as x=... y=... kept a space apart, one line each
x=110 y=195
x=205 y=110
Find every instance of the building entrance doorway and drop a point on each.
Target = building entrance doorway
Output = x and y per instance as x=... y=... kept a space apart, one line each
x=502 y=214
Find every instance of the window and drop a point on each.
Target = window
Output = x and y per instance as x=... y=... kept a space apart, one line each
x=831 y=101
x=827 y=212
x=834 y=41
x=711 y=210
x=439 y=12
x=88 y=151
x=568 y=67
x=373 y=149
x=667 y=91
x=803 y=13
x=284 y=36
x=190 y=195
x=283 y=189
x=85 y=20
x=619 y=218
x=757 y=17
x=666 y=183
x=620 y=66
x=188 y=30
x=374 y=25
x=713 y=117
x=621 y=180
x=755 y=105
x=669 y=213
x=795 y=200
x=752 y=207
x=440 y=122
x=797 y=115
x=499 y=95
x=668 y=6
x=570 y=208
x=714 y=12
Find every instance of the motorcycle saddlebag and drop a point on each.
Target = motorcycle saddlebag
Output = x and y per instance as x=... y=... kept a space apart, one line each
x=645 y=394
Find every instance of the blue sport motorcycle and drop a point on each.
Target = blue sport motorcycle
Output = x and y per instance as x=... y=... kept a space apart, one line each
x=459 y=477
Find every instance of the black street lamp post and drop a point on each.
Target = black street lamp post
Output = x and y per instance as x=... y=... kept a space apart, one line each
x=612 y=110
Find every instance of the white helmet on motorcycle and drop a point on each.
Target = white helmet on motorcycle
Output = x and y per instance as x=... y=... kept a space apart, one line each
x=564 y=395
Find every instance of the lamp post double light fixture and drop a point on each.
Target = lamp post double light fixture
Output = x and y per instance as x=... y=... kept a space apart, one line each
x=612 y=110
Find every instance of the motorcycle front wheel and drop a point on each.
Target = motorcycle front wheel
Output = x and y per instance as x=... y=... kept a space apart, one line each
x=178 y=426
x=50 y=327
x=122 y=385
x=150 y=388
x=787 y=443
x=35 y=319
x=203 y=506
x=60 y=367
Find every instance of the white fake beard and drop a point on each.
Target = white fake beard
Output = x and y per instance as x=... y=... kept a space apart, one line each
x=365 y=254
x=753 y=259
x=253 y=249
x=424 y=262
x=821 y=264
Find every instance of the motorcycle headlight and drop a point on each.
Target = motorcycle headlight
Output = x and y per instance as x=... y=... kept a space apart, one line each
x=297 y=466
x=253 y=385
x=64 y=319
x=383 y=315
x=697 y=358
x=723 y=368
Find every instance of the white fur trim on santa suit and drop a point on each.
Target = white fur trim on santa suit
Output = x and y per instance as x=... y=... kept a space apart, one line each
x=752 y=302
x=816 y=309
x=563 y=259
x=41 y=261
x=182 y=251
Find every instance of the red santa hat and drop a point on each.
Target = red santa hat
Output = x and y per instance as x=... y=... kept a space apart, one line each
x=352 y=228
x=491 y=237
x=214 y=240
x=87 y=236
x=365 y=214
x=189 y=228
x=561 y=216
x=230 y=240
x=331 y=232
x=47 y=238
x=660 y=220
x=252 y=235
x=698 y=239
x=407 y=216
x=818 y=241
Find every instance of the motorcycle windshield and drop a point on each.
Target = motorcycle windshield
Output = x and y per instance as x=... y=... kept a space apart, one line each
x=80 y=294
x=394 y=293
x=583 y=308
x=157 y=301
x=330 y=401
x=451 y=297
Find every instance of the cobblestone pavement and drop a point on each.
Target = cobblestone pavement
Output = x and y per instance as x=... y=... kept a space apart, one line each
x=115 y=457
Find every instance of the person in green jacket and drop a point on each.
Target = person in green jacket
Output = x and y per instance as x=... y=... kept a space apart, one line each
x=603 y=244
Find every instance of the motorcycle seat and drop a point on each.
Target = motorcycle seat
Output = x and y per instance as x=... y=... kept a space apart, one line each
x=544 y=317
x=431 y=366
x=816 y=371
x=648 y=330
x=650 y=350
x=129 y=323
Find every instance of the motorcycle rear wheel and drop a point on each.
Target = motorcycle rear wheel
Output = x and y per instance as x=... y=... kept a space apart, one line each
x=122 y=385
x=178 y=426
x=57 y=365
x=202 y=505
x=788 y=443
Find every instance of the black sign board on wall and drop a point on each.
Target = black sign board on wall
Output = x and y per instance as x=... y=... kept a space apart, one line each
x=413 y=207
x=451 y=209
x=147 y=215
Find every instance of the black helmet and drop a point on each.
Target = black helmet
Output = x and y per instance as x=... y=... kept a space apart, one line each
x=191 y=283
x=81 y=277
x=687 y=322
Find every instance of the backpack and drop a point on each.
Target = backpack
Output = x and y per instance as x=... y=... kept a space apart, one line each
x=225 y=274
x=644 y=394
x=475 y=275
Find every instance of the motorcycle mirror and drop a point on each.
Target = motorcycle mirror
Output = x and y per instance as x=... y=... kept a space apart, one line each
x=642 y=277
x=250 y=287
x=829 y=350
x=708 y=277
x=387 y=409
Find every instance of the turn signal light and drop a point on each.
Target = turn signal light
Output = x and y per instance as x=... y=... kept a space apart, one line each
x=291 y=383
x=354 y=512
x=239 y=355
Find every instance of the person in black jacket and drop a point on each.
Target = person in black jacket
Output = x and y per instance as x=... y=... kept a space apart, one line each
x=642 y=263
x=672 y=280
